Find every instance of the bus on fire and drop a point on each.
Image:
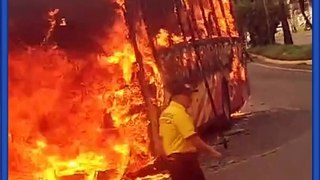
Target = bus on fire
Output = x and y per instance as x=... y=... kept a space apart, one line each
x=94 y=114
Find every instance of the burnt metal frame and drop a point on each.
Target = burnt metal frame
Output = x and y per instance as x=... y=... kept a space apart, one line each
x=218 y=45
x=196 y=47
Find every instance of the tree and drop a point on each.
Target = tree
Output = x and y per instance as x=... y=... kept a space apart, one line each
x=267 y=20
x=259 y=18
x=284 y=21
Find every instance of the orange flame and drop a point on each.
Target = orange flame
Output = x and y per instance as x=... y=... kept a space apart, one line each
x=238 y=72
x=163 y=38
x=87 y=115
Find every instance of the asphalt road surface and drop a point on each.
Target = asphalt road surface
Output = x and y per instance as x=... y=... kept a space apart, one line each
x=277 y=141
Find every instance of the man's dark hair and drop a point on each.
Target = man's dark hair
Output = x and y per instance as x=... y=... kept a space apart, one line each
x=180 y=87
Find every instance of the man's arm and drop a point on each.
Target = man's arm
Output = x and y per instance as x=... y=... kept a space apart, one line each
x=159 y=149
x=197 y=142
x=185 y=126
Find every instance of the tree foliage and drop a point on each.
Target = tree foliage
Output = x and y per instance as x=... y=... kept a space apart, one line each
x=252 y=17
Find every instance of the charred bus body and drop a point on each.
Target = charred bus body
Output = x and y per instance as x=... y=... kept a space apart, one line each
x=202 y=47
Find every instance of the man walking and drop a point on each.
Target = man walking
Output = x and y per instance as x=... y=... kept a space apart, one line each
x=180 y=141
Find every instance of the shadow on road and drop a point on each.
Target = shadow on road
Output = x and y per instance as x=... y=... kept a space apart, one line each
x=263 y=133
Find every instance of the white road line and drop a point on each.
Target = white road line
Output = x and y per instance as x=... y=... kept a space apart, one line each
x=283 y=69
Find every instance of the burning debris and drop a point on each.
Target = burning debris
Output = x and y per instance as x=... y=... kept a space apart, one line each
x=88 y=116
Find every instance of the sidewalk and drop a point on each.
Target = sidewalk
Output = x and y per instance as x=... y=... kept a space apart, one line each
x=281 y=62
x=293 y=65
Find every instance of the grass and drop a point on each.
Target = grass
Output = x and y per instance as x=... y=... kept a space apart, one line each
x=284 y=52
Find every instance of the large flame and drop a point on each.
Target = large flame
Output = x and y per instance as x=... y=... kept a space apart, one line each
x=78 y=116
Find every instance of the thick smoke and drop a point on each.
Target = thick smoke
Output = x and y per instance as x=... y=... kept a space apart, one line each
x=86 y=20
x=159 y=14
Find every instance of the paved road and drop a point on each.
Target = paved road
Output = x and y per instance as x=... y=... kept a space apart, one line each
x=277 y=144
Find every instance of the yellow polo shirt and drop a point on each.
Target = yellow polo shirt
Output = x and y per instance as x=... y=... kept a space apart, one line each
x=175 y=126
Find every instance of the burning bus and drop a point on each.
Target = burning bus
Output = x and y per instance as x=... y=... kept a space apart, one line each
x=94 y=116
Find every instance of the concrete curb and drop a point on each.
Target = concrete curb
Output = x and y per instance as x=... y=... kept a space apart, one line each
x=282 y=69
x=282 y=62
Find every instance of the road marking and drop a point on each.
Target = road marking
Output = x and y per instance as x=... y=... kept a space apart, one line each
x=283 y=69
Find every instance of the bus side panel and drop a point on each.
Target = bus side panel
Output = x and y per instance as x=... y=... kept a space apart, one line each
x=218 y=93
x=201 y=109
x=239 y=94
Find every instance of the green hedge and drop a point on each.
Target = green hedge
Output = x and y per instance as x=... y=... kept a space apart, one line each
x=284 y=52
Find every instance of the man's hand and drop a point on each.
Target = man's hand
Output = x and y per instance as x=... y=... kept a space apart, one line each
x=160 y=152
x=159 y=149
x=214 y=153
x=201 y=145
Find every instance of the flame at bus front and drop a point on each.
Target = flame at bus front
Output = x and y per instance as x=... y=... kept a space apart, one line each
x=78 y=117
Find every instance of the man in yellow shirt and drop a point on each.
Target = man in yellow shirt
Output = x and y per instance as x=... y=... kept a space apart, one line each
x=180 y=141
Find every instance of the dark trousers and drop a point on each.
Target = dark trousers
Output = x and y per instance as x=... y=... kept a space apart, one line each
x=185 y=166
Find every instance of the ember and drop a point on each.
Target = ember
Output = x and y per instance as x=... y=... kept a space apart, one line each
x=155 y=177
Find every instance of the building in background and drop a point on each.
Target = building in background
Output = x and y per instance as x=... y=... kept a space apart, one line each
x=297 y=20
